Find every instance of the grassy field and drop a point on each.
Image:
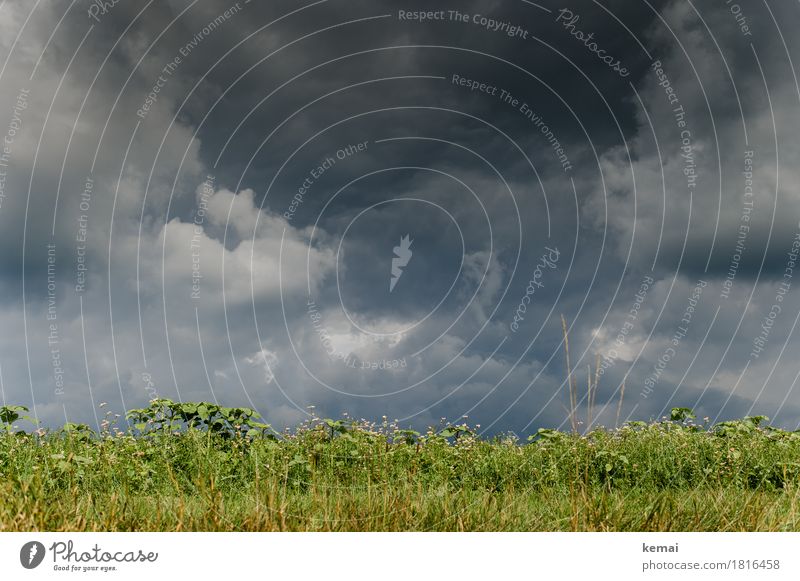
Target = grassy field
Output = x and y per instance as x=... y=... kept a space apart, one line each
x=185 y=467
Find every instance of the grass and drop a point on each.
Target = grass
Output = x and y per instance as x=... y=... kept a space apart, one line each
x=179 y=472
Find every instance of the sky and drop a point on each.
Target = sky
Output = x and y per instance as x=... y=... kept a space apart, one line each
x=395 y=209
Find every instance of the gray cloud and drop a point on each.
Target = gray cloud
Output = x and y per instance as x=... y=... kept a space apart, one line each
x=219 y=263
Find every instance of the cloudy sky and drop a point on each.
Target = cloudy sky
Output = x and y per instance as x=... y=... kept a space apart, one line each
x=384 y=209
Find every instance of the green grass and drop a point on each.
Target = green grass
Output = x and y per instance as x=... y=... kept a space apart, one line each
x=354 y=476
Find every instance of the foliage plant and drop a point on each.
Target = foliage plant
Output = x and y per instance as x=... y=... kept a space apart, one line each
x=199 y=466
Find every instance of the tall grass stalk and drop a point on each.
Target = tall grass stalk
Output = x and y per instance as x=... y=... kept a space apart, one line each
x=573 y=395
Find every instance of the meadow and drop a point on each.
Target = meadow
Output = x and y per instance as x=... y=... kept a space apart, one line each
x=201 y=467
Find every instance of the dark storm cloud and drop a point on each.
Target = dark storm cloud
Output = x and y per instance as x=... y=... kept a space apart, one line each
x=261 y=111
x=501 y=66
